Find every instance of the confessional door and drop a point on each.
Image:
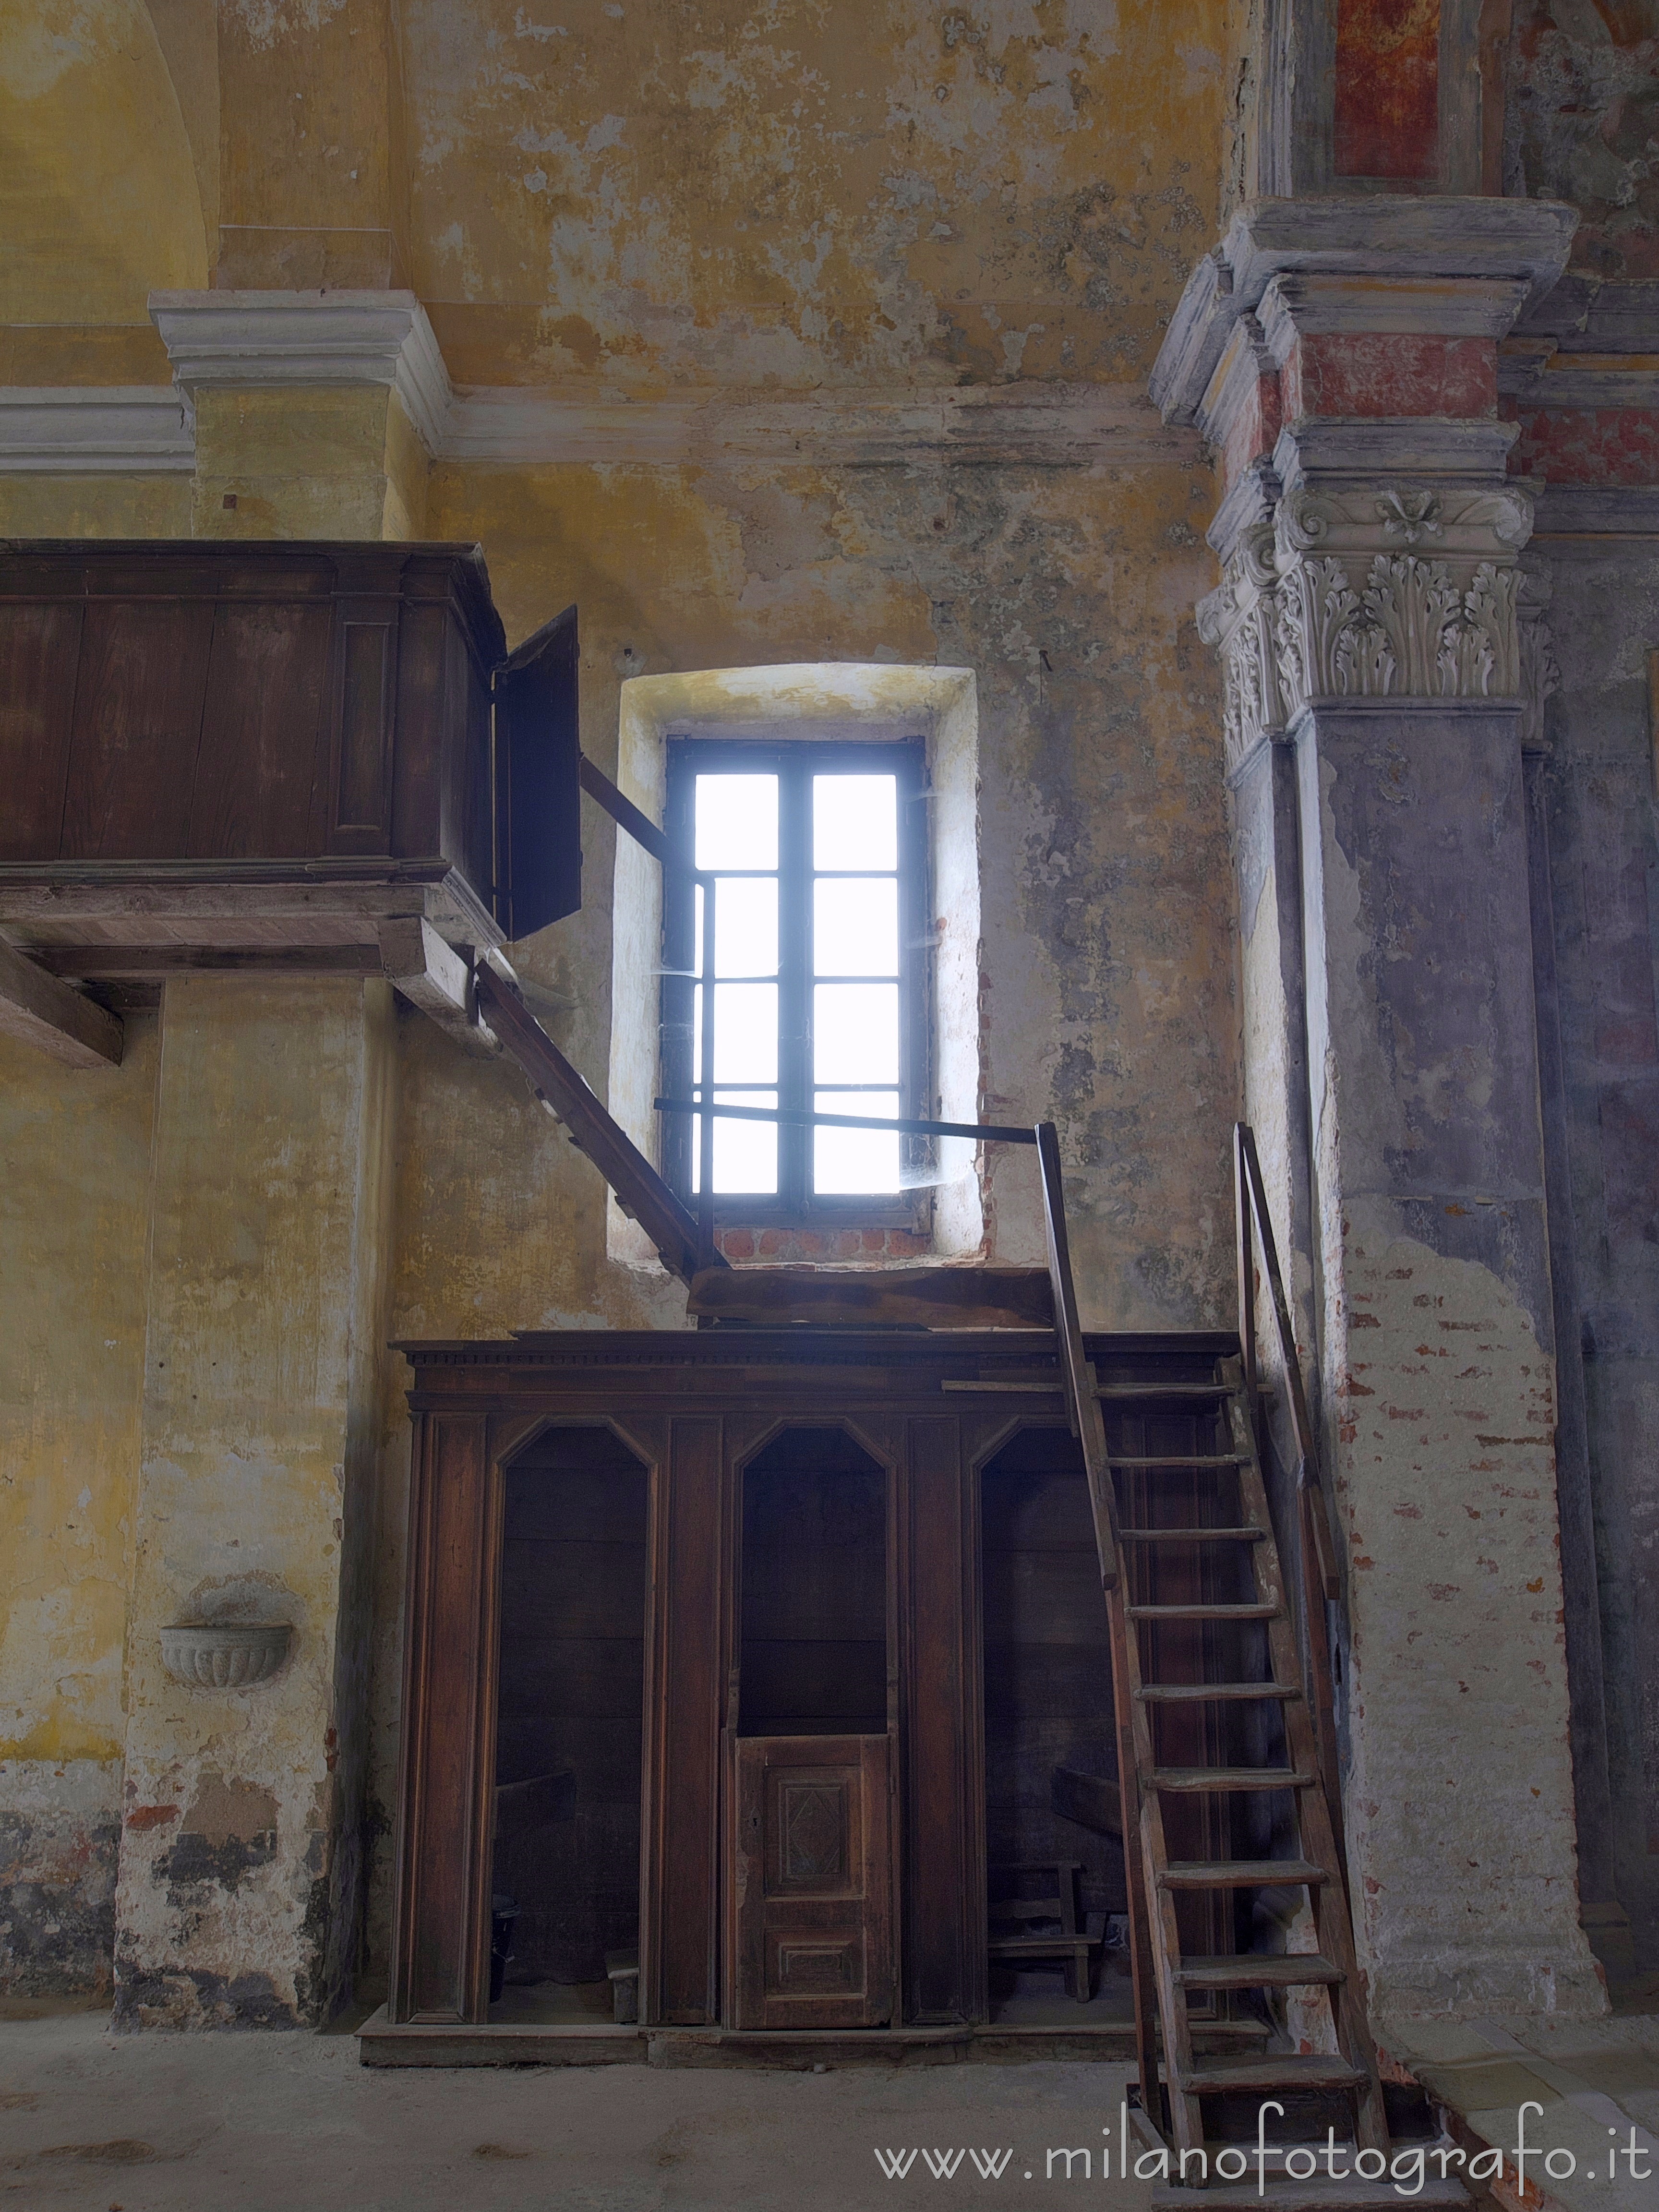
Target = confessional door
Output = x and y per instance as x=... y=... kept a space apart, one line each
x=811 y=1892
x=811 y=1715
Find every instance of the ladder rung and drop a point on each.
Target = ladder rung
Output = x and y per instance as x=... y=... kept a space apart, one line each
x=1230 y=1777
x=1187 y=1460
x=1263 y=1610
x=1211 y=1393
x=1247 y=1536
x=1317 y=2069
x=1242 y=1874
x=1254 y=1970
x=1203 y=1693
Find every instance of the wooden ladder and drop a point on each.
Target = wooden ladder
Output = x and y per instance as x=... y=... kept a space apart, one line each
x=1175 y=1660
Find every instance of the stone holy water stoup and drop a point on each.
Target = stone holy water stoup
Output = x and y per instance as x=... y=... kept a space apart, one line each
x=227 y=1655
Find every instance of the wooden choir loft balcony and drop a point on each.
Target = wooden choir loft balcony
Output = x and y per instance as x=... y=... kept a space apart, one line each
x=273 y=755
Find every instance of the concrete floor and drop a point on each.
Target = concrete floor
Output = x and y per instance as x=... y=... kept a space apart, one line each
x=90 y=2122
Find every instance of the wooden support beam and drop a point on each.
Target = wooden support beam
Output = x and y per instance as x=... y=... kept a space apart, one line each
x=852 y=1298
x=153 y=964
x=40 y=1010
x=1093 y=1801
x=641 y=1191
x=432 y=975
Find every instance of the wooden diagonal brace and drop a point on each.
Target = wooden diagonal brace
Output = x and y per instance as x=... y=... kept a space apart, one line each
x=41 y=1010
x=641 y=1191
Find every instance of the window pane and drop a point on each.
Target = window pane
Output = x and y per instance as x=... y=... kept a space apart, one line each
x=844 y=1161
x=855 y=1033
x=745 y=927
x=737 y=822
x=745 y=1152
x=745 y=1033
x=854 y=925
x=855 y=823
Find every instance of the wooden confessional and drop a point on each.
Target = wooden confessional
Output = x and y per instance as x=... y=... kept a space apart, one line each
x=813 y=1747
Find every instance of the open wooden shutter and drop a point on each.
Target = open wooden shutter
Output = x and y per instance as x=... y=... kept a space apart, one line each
x=538 y=850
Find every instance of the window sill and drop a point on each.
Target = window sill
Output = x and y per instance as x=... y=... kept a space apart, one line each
x=784 y=1240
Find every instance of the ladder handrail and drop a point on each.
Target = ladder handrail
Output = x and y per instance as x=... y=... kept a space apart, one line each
x=1251 y=1197
x=1322 y=1582
x=1089 y=1427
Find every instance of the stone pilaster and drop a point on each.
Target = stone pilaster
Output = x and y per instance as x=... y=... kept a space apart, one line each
x=316 y=414
x=1381 y=661
x=239 y=1895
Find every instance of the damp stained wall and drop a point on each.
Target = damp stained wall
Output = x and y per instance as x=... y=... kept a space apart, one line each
x=1604 y=854
x=73 y=1223
x=604 y=202
x=1583 y=114
x=736 y=194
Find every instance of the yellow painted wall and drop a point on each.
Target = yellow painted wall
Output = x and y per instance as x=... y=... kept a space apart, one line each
x=74 y=1209
x=708 y=193
x=253 y=1471
x=98 y=203
x=335 y=462
x=74 y=1205
x=635 y=201
x=94 y=506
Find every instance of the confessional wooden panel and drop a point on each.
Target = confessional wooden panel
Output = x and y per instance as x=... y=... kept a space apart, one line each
x=810 y=1876
x=944 y=1887
x=694 y=1406
x=441 y=1962
x=678 y=1961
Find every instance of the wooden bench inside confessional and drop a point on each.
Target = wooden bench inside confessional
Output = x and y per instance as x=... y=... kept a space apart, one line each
x=1016 y=1939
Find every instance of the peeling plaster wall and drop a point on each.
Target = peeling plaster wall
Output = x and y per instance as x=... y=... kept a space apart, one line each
x=729 y=195
x=98 y=203
x=612 y=202
x=1438 y=1358
x=94 y=506
x=1604 y=848
x=1107 y=990
x=73 y=1211
x=1107 y=985
x=1582 y=116
x=239 y=1886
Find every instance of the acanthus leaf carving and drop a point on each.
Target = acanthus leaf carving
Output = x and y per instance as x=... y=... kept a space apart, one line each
x=1321 y=602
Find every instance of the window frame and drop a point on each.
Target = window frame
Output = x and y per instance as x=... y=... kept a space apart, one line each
x=795 y=761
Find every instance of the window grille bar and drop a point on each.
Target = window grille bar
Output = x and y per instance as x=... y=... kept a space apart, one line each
x=989 y=1132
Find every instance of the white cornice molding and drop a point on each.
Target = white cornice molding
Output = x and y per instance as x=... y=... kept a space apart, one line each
x=1014 y=425
x=1296 y=305
x=1440 y=265
x=1032 y=424
x=266 y=338
x=140 y=430
x=1579 y=381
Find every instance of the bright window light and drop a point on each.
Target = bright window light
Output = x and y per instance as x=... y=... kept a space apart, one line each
x=810 y=959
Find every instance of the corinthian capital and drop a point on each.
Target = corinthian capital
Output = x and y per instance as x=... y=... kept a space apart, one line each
x=1399 y=590
x=1241 y=619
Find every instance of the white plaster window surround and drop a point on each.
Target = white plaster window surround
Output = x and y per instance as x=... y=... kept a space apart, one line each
x=816 y=700
x=275 y=338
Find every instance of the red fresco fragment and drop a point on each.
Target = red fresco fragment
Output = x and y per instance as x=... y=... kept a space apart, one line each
x=150 y=1816
x=1588 y=445
x=1387 y=89
x=1378 y=373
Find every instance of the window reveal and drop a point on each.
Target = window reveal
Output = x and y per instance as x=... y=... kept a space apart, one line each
x=820 y=967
